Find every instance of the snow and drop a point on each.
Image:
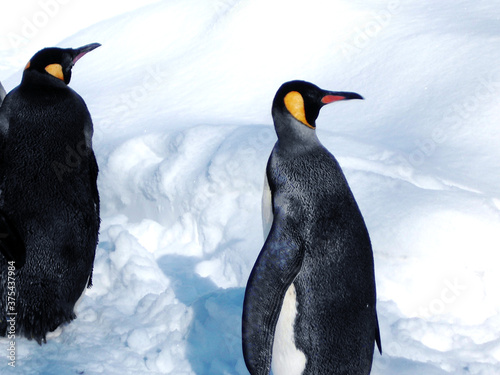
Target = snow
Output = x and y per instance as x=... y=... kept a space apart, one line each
x=180 y=93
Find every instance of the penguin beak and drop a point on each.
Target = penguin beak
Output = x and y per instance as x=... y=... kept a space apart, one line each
x=334 y=96
x=80 y=52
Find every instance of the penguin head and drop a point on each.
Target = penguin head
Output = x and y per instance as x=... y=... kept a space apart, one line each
x=56 y=62
x=297 y=105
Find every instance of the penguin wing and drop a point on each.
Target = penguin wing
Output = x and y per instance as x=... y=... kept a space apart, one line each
x=11 y=244
x=94 y=170
x=276 y=267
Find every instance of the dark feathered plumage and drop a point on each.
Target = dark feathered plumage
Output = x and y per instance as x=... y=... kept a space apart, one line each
x=49 y=199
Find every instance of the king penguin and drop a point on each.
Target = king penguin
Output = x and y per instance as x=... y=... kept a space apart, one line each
x=49 y=203
x=309 y=306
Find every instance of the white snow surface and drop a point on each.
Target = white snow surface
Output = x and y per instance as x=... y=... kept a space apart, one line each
x=180 y=93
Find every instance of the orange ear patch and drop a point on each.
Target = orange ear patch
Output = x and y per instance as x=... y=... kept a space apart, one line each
x=27 y=65
x=55 y=70
x=294 y=102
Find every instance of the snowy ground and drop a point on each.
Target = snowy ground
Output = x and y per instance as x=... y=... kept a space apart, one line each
x=180 y=93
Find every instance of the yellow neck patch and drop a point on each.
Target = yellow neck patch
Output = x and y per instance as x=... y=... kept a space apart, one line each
x=55 y=70
x=294 y=102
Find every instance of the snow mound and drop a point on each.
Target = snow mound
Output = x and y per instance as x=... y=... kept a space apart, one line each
x=180 y=94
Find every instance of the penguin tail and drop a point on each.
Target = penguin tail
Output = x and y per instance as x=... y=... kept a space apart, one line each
x=377 y=336
x=35 y=323
x=11 y=244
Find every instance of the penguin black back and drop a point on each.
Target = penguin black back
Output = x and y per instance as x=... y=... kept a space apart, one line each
x=317 y=258
x=49 y=199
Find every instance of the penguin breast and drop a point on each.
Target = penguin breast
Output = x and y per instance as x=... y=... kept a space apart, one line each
x=267 y=209
x=286 y=358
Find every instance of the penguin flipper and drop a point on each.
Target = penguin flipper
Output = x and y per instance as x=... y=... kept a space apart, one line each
x=94 y=170
x=11 y=245
x=278 y=264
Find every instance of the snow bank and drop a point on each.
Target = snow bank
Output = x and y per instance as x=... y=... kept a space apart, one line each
x=180 y=93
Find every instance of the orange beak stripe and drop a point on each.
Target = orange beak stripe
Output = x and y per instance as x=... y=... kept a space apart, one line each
x=331 y=98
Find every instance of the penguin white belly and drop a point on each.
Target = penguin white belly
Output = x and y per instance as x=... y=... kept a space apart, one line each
x=2 y=93
x=287 y=359
x=267 y=209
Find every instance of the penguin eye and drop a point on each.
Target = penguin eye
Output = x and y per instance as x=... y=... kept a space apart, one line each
x=56 y=70
x=294 y=102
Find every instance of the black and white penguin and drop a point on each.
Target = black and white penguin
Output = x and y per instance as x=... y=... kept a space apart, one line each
x=309 y=306
x=49 y=203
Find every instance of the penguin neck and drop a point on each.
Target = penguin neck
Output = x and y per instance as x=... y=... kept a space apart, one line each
x=35 y=78
x=294 y=134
